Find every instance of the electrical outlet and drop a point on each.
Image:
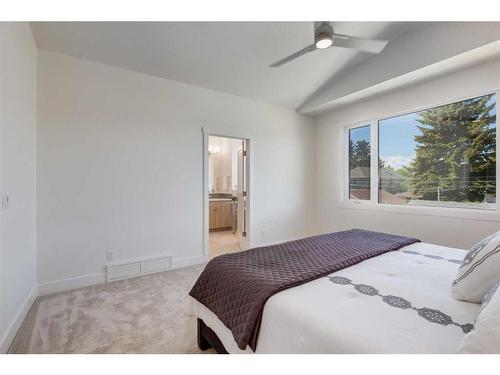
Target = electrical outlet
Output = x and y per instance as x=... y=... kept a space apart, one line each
x=5 y=201
x=110 y=256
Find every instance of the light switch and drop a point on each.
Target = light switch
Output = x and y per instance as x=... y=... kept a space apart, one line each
x=5 y=201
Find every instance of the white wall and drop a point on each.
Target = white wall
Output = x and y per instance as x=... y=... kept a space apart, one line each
x=449 y=231
x=120 y=167
x=17 y=176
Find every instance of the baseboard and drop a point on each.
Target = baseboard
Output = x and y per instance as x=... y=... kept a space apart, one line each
x=71 y=283
x=100 y=278
x=18 y=320
x=188 y=261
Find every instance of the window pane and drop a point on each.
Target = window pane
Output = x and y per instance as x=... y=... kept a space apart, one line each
x=444 y=156
x=359 y=163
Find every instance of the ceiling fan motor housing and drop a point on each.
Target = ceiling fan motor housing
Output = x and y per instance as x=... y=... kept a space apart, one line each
x=323 y=32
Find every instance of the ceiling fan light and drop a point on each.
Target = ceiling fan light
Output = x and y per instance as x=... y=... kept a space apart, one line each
x=324 y=42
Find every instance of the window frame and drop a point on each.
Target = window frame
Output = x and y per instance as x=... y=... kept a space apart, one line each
x=374 y=204
x=373 y=174
x=347 y=170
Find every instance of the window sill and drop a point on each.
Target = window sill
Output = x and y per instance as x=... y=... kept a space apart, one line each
x=456 y=213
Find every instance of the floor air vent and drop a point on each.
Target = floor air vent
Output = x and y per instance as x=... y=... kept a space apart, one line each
x=137 y=267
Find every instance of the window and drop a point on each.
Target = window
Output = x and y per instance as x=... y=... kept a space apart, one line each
x=442 y=157
x=359 y=163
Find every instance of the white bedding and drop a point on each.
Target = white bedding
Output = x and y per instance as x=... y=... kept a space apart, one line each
x=326 y=317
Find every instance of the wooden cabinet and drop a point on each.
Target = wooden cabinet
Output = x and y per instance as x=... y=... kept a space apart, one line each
x=212 y=213
x=225 y=215
x=219 y=215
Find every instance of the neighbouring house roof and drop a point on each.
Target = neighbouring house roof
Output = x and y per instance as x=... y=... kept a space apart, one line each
x=360 y=172
x=364 y=172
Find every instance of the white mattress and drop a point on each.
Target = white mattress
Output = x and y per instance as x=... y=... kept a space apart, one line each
x=326 y=317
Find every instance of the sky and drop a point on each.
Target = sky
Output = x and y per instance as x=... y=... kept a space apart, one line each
x=360 y=134
x=397 y=140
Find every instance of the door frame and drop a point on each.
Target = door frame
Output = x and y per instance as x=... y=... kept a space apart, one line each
x=248 y=179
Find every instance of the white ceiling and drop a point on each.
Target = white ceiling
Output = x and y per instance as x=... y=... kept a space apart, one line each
x=435 y=50
x=231 y=57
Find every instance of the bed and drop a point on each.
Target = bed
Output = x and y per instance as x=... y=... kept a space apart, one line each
x=396 y=302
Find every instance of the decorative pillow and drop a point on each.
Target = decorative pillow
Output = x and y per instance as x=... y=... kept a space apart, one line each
x=485 y=337
x=479 y=271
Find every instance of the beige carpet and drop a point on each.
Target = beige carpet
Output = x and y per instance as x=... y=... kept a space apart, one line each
x=141 y=315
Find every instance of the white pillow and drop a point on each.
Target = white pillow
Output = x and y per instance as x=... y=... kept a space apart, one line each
x=479 y=271
x=485 y=337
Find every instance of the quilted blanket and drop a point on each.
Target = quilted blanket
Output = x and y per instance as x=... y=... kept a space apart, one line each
x=235 y=287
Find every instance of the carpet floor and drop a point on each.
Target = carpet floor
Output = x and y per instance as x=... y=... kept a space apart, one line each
x=147 y=314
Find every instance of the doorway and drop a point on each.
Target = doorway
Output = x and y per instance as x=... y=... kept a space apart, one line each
x=226 y=195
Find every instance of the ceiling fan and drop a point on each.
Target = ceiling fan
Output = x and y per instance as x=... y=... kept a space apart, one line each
x=324 y=37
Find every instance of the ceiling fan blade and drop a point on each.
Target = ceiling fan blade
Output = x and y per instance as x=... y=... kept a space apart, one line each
x=361 y=44
x=303 y=51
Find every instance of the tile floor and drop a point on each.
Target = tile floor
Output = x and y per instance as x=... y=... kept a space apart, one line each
x=222 y=242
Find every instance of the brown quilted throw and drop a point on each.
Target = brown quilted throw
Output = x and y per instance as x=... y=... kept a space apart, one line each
x=236 y=286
